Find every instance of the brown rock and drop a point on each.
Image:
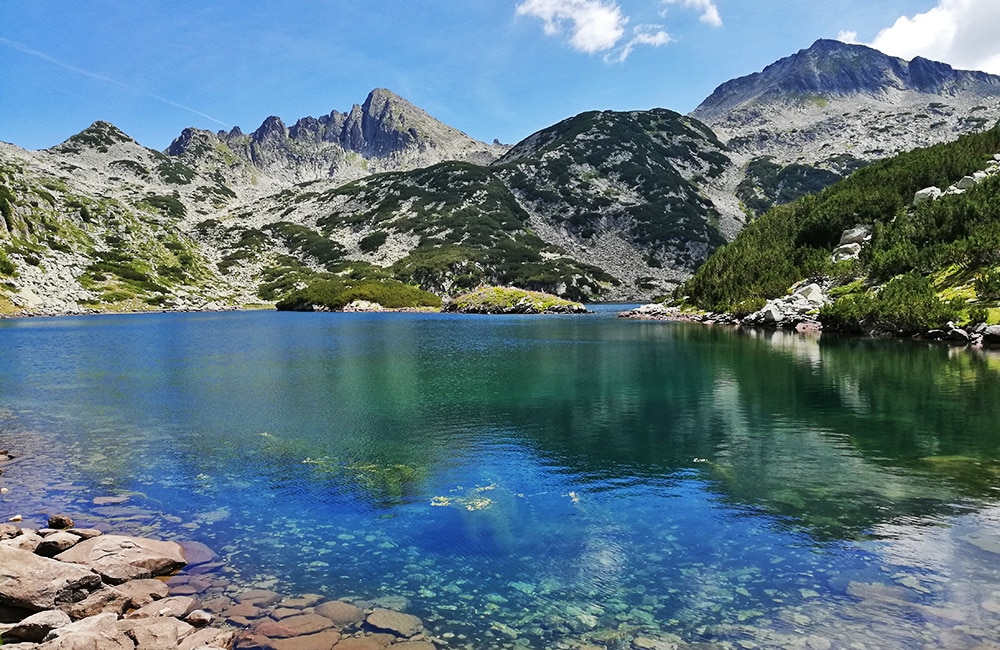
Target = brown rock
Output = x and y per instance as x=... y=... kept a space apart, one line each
x=362 y=643
x=209 y=637
x=249 y=641
x=342 y=614
x=52 y=545
x=85 y=533
x=307 y=623
x=143 y=592
x=88 y=634
x=105 y=599
x=273 y=630
x=303 y=601
x=61 y=522
x=119 y=558
x=217 y=605
x=284 y=612
x=28 y=541
x=398 y=623
x=176 y=606
x=199 y=618
x=155 y=633
x=197 y=553
x=243 y=609
x=9 y=531
x=325 y=640
x=414 y=645
x=259 y=597
x=38 y=583
x=37 y=626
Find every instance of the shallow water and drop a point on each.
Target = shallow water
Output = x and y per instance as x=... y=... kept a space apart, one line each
x=534 y=481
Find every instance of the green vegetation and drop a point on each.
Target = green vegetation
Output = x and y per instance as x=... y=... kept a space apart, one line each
x=945 y=240
x=509 y=300
x=906 y=305
x=6 y=266
x=586 y=171
x=170 y=206
x=99 y=135
x=768 y=184
x=174 y=172
x=373 y=242
x=472 y=231
x=131 y=166
x=333 y=294
x=308 y=242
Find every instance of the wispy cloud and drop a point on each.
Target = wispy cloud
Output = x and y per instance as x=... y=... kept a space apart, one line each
x=644 y=35
x=959 y=32
x=86 y=73
x=601 y=26
x=709 y=12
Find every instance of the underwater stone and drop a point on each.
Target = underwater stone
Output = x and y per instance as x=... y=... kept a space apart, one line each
x=398 y=623
x=341 y=613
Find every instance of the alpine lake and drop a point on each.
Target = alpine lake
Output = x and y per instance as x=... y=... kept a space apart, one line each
x=533 y=481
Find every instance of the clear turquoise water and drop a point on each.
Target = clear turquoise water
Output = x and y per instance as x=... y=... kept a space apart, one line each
x=534 y=481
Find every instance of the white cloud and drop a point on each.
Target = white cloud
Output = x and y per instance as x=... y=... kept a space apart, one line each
x=594 y=25
x=962 y=33
x=644 y=35
x=709 y=12
x=601 y=25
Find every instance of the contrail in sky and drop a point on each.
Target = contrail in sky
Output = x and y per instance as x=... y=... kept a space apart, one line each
x=45 y=57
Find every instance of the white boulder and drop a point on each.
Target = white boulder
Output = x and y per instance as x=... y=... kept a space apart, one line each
x=926 y=194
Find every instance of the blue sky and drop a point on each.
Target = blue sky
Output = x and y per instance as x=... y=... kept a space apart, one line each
x=492 y=68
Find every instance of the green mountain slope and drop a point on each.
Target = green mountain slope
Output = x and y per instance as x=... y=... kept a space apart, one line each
x=951 y=244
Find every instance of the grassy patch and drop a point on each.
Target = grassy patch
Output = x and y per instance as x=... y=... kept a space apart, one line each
x=507 y=300
x=333 y=294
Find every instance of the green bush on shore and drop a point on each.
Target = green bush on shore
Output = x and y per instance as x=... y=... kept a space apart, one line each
x=793 y=242
x=334 y=294
x=906 y=305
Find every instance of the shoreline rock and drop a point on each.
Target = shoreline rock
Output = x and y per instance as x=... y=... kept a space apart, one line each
x=978 y=336
x=121 y=592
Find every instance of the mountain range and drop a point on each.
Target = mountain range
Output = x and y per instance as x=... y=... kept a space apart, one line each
x=603 y=205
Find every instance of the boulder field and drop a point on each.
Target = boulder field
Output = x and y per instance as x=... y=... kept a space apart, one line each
x=64 y=587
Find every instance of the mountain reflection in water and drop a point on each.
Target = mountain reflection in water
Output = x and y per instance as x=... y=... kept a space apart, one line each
x=534 y=481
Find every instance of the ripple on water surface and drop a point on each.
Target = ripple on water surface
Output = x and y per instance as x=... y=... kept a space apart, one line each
x=523 y=482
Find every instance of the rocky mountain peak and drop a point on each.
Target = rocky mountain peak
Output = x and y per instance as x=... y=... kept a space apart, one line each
x=384 y=133
x=832 y=69
x=272 y=129
x=191 y=139
x=100 y=135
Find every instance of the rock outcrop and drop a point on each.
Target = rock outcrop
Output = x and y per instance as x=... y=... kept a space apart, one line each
x=69 y=602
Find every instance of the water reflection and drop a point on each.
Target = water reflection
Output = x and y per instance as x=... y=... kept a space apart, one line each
x=537 y=479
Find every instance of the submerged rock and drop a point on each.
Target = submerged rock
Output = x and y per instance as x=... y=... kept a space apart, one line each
x=398 y=623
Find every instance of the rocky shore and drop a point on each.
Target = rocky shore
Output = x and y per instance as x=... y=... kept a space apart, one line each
x=68 y=587
x=798 y=312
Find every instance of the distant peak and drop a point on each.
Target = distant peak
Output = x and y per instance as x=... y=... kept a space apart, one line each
x=100 y=135
x=832 y=68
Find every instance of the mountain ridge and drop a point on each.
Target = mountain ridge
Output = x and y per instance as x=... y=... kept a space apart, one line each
x=834 y=68
x=384 y=133
x=603 y=205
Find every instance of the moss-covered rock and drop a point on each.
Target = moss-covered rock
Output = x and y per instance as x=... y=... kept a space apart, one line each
x=508 y=300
